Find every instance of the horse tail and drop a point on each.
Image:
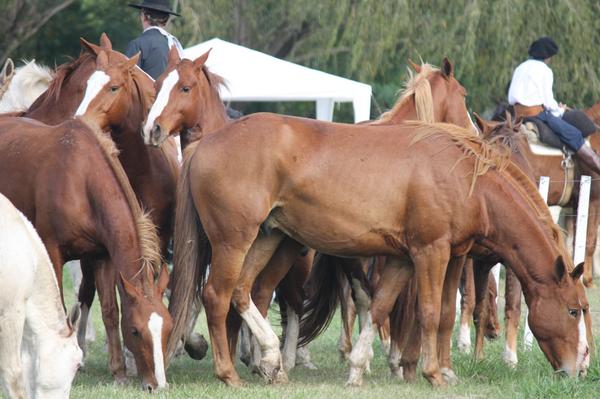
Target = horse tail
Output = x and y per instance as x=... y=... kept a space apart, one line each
x=191 y=258
x=404 y=314
x=323 y=290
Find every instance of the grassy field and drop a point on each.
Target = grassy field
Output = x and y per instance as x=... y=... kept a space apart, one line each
x=491 y=378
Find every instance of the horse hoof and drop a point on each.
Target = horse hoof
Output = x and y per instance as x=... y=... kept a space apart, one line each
x=196 y=346
x=121 y=381
x=233 y=382
x=510 y=358
x=397 y=373
x=308 y=365
x=280 y=377
x=449 y=376
x=355 y=377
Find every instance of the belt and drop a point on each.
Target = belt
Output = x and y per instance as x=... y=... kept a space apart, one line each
x=523 y=111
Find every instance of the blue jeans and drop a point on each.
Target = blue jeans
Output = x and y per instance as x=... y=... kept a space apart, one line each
x=567 y=133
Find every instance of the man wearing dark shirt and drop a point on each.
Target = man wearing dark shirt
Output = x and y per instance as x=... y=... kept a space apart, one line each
x=155 y=42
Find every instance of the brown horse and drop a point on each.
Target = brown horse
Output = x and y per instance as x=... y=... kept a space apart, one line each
x=530 y=164
x=375 y=189
x=151 y=172
x=68 y=181
x=188 y=101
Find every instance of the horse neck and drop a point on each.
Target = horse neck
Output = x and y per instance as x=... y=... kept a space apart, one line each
x=522 y=241
x=212 y=111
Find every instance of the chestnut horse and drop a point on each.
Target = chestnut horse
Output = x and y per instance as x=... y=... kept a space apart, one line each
x=41 y=167
x=530 y=164
x=188 y=101
x=237 y=202
x=151 y=172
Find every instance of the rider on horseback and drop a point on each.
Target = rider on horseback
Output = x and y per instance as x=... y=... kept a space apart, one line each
x=531 y=94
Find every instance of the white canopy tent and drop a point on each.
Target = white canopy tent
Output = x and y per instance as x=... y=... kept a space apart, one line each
x=255 y=76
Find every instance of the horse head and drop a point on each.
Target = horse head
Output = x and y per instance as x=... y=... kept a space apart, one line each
x=557 y=317
x=146 y=326
x=188 y=101
x=115 y=88
x=66 y=359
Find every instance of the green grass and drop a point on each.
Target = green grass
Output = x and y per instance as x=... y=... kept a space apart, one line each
x=491 y=378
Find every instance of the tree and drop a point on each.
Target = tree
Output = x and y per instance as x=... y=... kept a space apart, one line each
x=21 y=19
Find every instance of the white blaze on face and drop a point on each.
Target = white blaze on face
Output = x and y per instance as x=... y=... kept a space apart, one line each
x=94 y=84
x=583 y=358
x=155 y=326
x=161 y=102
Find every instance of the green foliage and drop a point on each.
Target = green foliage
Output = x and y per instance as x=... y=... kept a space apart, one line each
x=368 y=40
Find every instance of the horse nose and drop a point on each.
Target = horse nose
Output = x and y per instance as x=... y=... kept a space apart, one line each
x=148 y=387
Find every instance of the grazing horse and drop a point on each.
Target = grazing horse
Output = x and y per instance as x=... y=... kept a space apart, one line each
x=23 y=87
x=151 y=172
x=101 y=220
x=408 y=192
x=529 y=163
x=39 y=355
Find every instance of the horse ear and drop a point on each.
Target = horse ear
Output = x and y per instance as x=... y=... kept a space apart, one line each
x=163 y=281
x=560 y=270
x=105 y=41
x=101 y=60
x=447 y=68
x=414 y=66
x=174 y=58
x=8 y=69
x=131 y=290
x=89 y=47
x=577 y=272
x=132 y=62
x=199 y=62
x=482 y=124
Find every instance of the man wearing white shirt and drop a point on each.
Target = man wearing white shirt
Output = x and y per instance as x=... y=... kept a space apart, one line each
x=531 y=95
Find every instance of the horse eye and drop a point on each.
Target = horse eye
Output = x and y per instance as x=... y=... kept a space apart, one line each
x=185 y=89
x=135 y=332
x=114 y=88
x=573 y=312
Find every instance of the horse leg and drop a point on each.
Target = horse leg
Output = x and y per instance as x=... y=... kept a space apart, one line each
x=257 y=257
x=512 y=313
x=348 y=314
x=362 y=299
x=58 y=262
x=12 y=322
x=395 y=274
x=105 y=284
x=447 y=317
x=402 y=321
x=384 y=329
x=291 y=293
x=467 y=306
x=492 y=329
x=74 y=267
x=481 y=275
x=430 y=268
x=86 y=293
x=281 y=264
x=412 y=351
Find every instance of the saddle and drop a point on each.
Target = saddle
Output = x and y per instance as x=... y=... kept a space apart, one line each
x=543 y=141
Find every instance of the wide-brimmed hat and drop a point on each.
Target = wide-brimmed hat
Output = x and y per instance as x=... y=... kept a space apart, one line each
x=543 y=48
x=157 y=5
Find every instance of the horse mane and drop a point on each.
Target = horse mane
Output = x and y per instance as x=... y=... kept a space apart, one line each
x=214 y=79
x=488 y=156
x=146 y=230
x=25 y=85
x=418 y=86
x=63 y=73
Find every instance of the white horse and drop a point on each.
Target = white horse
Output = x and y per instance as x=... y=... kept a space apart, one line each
x=39 y=355
x=25 y=86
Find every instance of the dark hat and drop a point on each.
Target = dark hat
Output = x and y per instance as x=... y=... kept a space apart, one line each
x=543 y=48
x=157 y=5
